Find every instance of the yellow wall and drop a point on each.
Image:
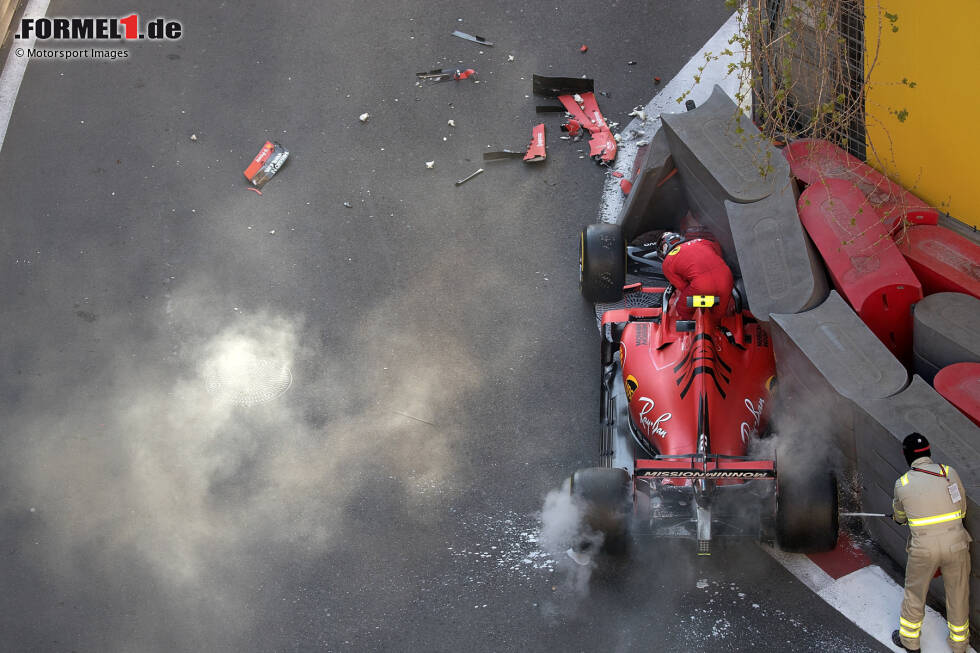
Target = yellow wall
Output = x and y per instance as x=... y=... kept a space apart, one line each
x=935 y=152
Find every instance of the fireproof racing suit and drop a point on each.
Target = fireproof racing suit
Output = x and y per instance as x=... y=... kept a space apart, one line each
x=695 y=267
x=932 y=500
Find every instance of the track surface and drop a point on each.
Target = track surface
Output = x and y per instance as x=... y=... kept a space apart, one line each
x=441 y=363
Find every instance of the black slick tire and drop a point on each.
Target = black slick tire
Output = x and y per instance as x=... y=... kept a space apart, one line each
x=607 y=495
x=806 y=503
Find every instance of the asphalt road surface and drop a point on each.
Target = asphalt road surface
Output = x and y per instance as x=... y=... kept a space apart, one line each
x=232 y=422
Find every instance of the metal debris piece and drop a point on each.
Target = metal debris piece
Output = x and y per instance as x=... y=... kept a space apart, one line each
x=347 y=204
x=266 y=163
x=502 y=154
x=605 y=94
x=535 y=152
x=460 y=182
x=638 y=112
x=451 y=122
x=630 y=63
x=364 y=117
x=445 y=74
x=470 y=37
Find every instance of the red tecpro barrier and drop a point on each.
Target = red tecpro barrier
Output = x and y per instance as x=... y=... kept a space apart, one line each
x=864 y=263
x=943 y=260
x=960 y=385
x=812 y=159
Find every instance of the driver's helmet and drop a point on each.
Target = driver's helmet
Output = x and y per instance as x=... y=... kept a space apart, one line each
x=669 y=241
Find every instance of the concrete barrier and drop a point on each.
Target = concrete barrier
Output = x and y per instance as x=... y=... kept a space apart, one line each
x=945 y=331
x=826 y=360
x=656 y=200
x=721 y=155
x=780 y=268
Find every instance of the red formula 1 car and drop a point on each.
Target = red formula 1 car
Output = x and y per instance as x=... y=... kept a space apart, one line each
x=686 y=448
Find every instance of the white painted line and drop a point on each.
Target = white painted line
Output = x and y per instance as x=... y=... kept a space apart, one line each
x=14 y=69
x=715 y=72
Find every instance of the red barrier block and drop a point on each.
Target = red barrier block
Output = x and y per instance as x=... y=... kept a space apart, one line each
x=943 y=260
x=812 y=159
x=960 y=385
x=864 y=263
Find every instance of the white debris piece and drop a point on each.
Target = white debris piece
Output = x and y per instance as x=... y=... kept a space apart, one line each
x=578 y=99
x=510 y=57
x=617 y=137
x=451 y=122
x=430 y=164
x=364 y=117
x=638 y=112
x=193 y=137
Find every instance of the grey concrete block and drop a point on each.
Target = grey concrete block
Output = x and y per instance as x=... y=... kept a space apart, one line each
x=881 y=462
x=954 y=438
x=654 y=203
x=924 y=368
x=945 y=329
x=844 y=351
x=720 y=146
x=780 y=267
x=720 y=155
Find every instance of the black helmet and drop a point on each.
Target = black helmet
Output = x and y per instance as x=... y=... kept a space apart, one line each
x=668 y=241
x=915 y=446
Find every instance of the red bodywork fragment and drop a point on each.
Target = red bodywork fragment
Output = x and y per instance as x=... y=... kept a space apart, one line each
x=536 y=150
x=602 y=145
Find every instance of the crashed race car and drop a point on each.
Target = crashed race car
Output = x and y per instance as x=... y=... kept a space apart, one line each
x=686 y=447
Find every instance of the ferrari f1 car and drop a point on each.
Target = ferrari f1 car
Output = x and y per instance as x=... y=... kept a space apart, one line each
x=685 y=441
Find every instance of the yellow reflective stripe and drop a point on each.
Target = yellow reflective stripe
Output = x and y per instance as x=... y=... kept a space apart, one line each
x=938 y=519
x=904 y=479
x=965 y=628
x=900 y=513
x=908 y=633
x=914 y=625
x=959 y=638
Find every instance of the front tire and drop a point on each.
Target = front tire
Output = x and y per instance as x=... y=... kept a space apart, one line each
x=806 y=503
x=607 y=495
x=602 y=262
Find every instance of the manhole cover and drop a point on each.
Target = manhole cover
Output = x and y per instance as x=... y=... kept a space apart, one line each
x=247 y=380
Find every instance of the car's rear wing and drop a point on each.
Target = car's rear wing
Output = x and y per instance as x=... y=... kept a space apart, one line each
x=714 y=466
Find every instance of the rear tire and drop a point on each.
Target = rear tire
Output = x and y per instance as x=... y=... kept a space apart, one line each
x=608 y=496
x=602 y=262
x=806 y=503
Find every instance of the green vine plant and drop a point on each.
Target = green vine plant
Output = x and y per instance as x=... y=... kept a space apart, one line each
x=805 y=71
